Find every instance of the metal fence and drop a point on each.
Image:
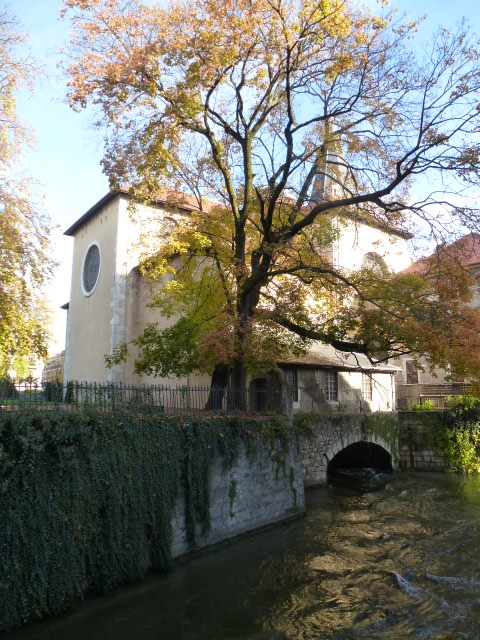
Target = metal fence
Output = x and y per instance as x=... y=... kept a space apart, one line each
x=108 y=397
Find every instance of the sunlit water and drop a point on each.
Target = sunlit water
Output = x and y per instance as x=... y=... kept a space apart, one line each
x=378 y=556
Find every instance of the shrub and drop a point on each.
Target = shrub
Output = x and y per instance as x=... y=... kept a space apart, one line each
x=426 y=406
x=7 y=389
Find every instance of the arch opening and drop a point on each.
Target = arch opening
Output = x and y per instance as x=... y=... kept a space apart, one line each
x=361 y=455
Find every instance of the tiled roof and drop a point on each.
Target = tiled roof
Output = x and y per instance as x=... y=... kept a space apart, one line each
x=465 y=250
x=338 y=361
x=186 y=202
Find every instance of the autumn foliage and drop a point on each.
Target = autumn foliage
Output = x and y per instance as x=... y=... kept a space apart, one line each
x=288 y=114
x=25 y=261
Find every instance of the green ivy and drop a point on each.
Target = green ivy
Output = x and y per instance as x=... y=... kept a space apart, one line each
x=458 y=437
x=454 y=434
x=426 y=406
x=86 y=500
x=384 y=426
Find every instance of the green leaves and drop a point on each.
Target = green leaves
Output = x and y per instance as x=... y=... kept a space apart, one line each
x=25 y=253
x=86 y=500
x=168 y=352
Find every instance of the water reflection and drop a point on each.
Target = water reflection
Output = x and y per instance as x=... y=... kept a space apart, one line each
x=378 y=556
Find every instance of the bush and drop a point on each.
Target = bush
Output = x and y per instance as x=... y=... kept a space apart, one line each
x=457 y=438
x=53 y=391
x=426 y=406
x=7 y=389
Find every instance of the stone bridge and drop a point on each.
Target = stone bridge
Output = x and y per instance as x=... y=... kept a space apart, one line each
x=332 y=441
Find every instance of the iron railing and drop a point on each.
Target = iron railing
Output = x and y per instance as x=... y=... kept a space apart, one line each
x=107 y=397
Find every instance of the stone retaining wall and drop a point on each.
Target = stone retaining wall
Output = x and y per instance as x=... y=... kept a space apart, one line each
x=415 y=448
x=261 y=487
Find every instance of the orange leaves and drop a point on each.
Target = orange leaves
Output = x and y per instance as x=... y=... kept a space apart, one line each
x=426 y=313
x=252 y=105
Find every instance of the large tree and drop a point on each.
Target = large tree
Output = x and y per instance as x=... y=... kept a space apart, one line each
x=286 y=113
x=25 y=264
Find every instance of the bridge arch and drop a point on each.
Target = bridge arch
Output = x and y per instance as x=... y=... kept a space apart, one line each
x=358 y=452
x=330 y=436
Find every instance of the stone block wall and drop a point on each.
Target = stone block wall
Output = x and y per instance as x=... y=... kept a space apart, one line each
x=416 y=451
x=325 y=436
x=262 y=486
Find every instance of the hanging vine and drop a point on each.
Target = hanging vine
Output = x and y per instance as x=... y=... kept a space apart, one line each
x=86 y=500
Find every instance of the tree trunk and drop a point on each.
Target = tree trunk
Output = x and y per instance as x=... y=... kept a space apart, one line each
x=218 y=386
x=239 y=386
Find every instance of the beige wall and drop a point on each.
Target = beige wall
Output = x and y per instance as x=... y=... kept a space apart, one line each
x=116 y=310
x=311 y=397
x=138 y=296
x=357 y=239
x=89 y=326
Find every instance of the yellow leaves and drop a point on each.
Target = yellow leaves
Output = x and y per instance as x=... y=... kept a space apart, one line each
x=378 y=23
x=174 y=287
x=156 y=268
x=25 y=263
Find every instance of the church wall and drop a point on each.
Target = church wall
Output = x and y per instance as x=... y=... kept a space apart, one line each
x=149 y=226
x=89 y=330
x=358 y=239
x=139 y=315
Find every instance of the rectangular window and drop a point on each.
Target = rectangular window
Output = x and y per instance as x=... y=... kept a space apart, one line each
x=411 y=371
x=331 y=385
x=291 y=380
x=367 y=386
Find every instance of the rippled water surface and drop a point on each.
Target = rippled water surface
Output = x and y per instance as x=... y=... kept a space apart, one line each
x=378 y=556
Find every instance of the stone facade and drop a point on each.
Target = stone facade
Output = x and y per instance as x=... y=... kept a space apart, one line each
x=326 y=436
x=311 y=396
x=416 y=452
x=260 y=487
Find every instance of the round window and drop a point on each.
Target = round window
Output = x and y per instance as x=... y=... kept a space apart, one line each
x=91 y=269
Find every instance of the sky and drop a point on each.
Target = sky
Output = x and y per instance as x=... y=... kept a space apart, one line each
x=66 y=160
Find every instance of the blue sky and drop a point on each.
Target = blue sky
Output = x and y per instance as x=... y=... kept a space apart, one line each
x=66 y=161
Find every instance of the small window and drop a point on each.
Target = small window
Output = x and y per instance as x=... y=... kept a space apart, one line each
x=331 y=385
x=411 y=372
x=367 y=386
x=91 y=269
x=291 y=381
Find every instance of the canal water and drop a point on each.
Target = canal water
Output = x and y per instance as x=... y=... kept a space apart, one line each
x=377 y=556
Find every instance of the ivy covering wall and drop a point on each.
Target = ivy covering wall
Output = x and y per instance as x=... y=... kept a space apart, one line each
x=458 y=436
x=452 y=434
x=86 y=500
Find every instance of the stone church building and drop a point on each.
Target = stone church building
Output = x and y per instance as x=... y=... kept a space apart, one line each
x=108 y=306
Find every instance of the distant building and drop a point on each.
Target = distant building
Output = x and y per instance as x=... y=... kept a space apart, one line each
x=416 y=382
x=53 y=369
